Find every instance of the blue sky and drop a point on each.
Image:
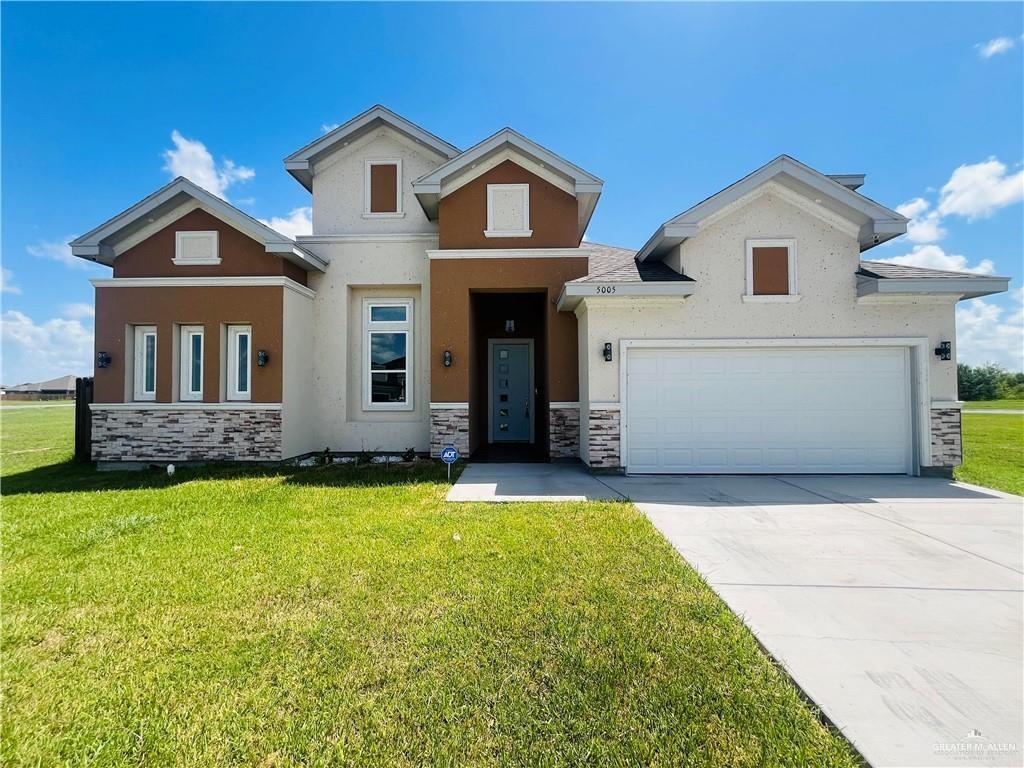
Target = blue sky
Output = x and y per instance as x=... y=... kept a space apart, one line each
x=667 y=103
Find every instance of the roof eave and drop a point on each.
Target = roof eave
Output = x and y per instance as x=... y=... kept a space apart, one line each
x=959 y=287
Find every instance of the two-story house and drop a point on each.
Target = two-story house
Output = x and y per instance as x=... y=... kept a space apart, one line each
x=449 y=297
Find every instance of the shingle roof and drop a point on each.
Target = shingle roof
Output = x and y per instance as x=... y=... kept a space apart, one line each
x=609 y=263
x=884 y=270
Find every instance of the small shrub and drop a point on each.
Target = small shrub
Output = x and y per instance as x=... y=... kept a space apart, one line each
x=409 y=454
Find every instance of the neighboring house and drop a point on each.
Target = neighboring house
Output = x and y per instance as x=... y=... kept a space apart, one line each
x=448 y=296
x=54 y=389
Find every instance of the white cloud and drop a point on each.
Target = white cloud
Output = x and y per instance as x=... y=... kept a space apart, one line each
x=925 y=226
x=994 y=46
x=977 y=191
x=190 y=158
x=58 y=250
x=933 y=257
x=328 y=127
x=988 y=333
x=53 y=348
x=298 y=222
x=7 y=282
x=79 y=310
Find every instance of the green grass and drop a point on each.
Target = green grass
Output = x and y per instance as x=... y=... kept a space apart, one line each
x=984 y=405
x=993 y=451
x=326 y=616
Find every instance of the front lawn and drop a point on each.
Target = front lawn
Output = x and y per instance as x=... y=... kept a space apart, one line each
x=993 y=451
x=985 y=405
x=326 y=616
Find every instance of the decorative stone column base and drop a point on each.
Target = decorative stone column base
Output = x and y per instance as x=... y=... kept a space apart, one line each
x=603 y=448
x=449 y=426
x=564 y=431
x=947 y=445
x=186 y=434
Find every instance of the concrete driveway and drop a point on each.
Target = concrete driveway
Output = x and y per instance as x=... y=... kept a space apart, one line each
x=894 y=602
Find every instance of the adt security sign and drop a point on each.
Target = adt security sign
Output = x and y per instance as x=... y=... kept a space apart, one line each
x=449 y=455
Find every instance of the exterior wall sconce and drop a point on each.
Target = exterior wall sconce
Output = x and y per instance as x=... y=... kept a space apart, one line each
x=607 y=351
x=446 y=359
x=102 y=359
x=510 y=326
x=262 y=358
x=943 y=351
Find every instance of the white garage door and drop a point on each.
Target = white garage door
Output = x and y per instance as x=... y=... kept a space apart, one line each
x=768 y=410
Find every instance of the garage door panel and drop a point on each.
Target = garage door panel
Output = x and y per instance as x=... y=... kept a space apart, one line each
x=768 y=410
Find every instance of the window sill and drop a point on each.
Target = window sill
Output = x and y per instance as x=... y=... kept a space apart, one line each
x=404 y=407
x=789 y=298
x=195 y=262
x=392 y=215
x=518 y=233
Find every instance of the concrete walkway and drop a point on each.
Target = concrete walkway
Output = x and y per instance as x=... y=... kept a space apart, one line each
x=894 y=602
x=529 y=482
x=994 y=410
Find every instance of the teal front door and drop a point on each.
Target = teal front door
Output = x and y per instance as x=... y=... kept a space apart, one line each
x=511 y=394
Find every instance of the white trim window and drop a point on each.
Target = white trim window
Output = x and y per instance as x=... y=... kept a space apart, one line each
x=771 y=270
x=508 y=210
x=145 y=362
x=239 y=362
x=388 y=357
x=378 y=201
x=191 y=363
x=196 y=248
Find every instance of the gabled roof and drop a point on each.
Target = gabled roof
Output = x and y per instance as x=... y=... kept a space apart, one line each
x=831 y=196
x=881 y=278
x=299 y=163
x=611 y=264
x=100 y=244
x=585 y=186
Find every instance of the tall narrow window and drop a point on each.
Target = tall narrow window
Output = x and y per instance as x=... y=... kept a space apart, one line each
x=771 y=270
x=383 y=188
x=239 y=362
x=191 y=357
x=387 y=372
x=145 y=362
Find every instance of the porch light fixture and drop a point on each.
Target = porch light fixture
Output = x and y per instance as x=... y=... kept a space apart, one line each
x=262 y=358
x=510 y=326
x=102 y=359
x=943 y=351
x=607 y=351
x=446 y=359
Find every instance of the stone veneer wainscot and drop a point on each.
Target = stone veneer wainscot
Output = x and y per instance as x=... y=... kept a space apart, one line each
x=603 y=443
x=947 y=446
x=186 y=434
x=449 y=426
x=564 y=431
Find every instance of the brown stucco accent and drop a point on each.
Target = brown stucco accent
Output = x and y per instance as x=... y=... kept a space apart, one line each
x=462 y=215
x=383 y=188
x=117 y=309
x=771 y=271
x=239 y=254
x=451 y=283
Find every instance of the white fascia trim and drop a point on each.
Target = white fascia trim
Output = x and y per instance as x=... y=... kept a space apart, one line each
x=204 y=282
x=919 y=372
x=606 y=406
x=573 y=293
x=179 y=406
x=884 y=225
x=949 y=405
x=91 y=245
x=965 y=287
x=368 y=237
x=566 y=405
x=510 y=253
x=515 y=233
x=449 y=406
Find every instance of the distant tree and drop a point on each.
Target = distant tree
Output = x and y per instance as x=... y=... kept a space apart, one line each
x=1011 y=386
x=978 y=382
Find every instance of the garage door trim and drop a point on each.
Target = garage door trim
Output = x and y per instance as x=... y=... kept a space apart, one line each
x=919 y=387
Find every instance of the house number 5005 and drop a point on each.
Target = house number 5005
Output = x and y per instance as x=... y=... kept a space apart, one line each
x=606 y=289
